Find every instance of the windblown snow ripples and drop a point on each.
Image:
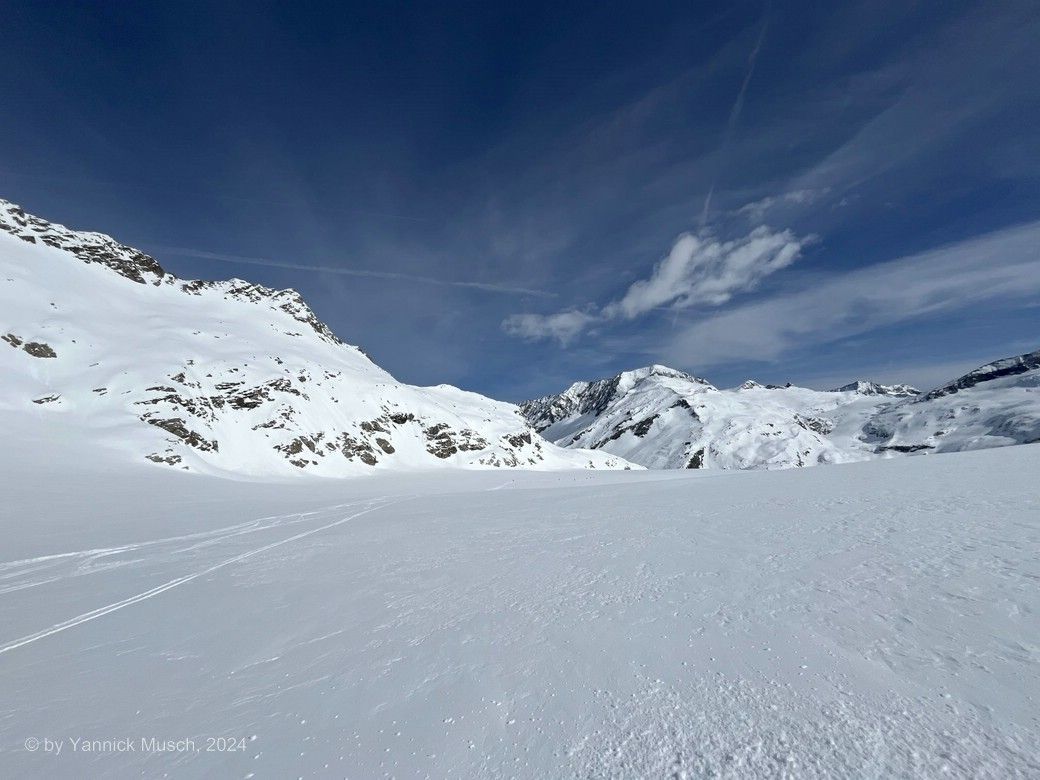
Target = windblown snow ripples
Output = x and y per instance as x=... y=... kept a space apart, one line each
x=872 y=620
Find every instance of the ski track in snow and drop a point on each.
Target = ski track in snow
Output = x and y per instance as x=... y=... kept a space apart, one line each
x=873 y=620
x=12 y=569
x=214 y=538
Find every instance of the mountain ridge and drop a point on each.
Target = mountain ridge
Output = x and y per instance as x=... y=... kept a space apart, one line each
x=772 y=426
x=222 y=376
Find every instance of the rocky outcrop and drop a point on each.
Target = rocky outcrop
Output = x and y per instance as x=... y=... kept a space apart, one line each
x=88 y=247
x=1000 y=369
x=227 y=376
x=593 y=398
x=35 y=348
x=863 y=387
x=662 y=418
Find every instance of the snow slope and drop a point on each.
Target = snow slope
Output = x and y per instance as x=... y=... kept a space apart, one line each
x=663 y=418
x=863 y=387
x=226 y=377
x=993 y=406
x=871 y=620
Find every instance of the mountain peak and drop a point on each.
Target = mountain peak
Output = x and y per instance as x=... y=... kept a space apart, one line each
x=135 y=265
x=219 y=376
x=998 y=369
x=865 y=387
x=656 y=369
x=663 y=418
x=87 y=246
x=592 y=398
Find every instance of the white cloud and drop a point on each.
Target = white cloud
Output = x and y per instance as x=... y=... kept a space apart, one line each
x=756 y=210
x=1004 y=265
x=699 y=270
x=562 y=326
x=703 y=270
x=945 y=96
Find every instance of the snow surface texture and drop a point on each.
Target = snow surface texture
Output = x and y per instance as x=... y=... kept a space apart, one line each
x=662 y=418
x=227 y=377
x=873 y=620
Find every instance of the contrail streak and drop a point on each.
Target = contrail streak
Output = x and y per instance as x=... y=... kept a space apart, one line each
x=330 y=269
x=734 y=114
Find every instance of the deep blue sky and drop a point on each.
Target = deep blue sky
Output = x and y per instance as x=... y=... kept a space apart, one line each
x=858 y=184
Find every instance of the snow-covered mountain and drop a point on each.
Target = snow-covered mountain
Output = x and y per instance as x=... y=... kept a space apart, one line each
x=863 y=387
x=223 y=376
x=663 y=418
x=993 y=406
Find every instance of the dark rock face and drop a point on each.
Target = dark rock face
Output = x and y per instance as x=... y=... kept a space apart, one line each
x=35 y=348
x=168 y=459
x=177 y=427
x=299 y=450
x=1002 y=368
x=367 y=443
x=697 y=460
x=642 y=428
x=519 y=439
x=443 y=442
x=352 y=448
x=440 y=444
x=905 y=448
x=874 y=431
x=593 y=398
x=815 y=424
x=289 y=301
x=873 y=388
x=235 y=396
x=88 y=247
x=40 y=350
x=295 y=447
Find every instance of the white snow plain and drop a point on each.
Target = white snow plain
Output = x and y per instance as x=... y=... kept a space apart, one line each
x=868 y=620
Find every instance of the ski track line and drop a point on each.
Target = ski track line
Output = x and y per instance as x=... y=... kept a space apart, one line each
x=249 y=526
x=86 y=617
x=200 y=540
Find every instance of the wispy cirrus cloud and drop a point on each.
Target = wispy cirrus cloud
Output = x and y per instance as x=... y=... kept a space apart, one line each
x=756 y=210
x=563 y=326
x=1000 y=266
x=700 y=270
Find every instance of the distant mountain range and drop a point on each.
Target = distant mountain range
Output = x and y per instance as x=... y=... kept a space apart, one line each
x=227 y=377
x=235 y=378
x=662 y=418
